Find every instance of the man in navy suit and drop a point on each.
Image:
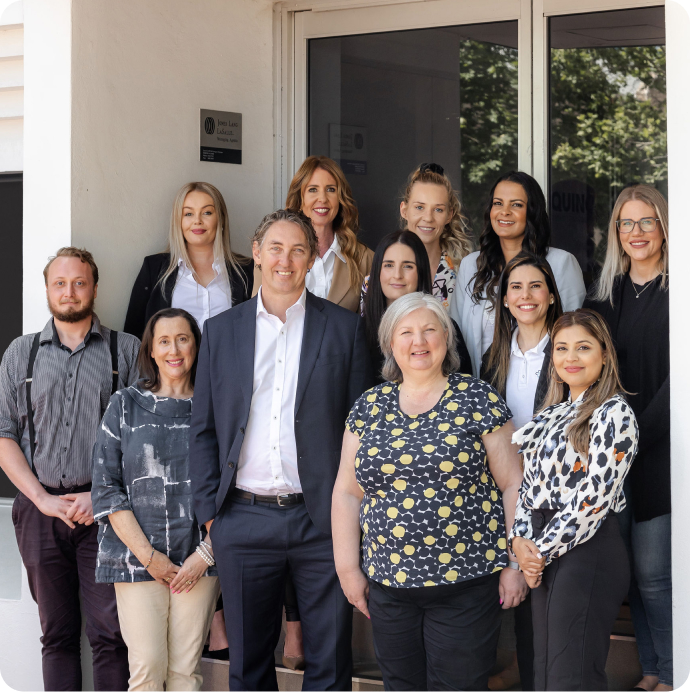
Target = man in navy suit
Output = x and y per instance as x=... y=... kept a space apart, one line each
x=276 y=378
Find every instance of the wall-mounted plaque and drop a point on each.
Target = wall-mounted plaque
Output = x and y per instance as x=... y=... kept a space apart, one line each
x=220 y=136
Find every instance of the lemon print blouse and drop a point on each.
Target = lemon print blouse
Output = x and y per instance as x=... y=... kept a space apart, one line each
x=431 y=512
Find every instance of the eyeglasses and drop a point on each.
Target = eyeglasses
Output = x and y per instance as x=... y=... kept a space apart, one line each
x=647 y=225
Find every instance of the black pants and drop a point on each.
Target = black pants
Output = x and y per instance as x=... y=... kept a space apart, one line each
x=574 y=609
x=436 y=637
x=254 y=546
x=59 y=563
x=524 y=643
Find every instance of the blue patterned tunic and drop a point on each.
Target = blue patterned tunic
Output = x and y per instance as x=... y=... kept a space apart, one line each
x=141 y=463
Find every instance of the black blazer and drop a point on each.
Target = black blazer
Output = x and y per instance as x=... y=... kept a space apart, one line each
x=148 y=298
x=649 y=395
x=542 y=383
x=334 y=370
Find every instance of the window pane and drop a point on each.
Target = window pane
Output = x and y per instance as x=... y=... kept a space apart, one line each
x=381 y=104
x=608 y=121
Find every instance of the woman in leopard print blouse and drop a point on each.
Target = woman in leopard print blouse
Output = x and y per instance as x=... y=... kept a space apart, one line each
x=566 y=535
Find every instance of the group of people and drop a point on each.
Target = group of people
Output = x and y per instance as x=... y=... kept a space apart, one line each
x=432 y=435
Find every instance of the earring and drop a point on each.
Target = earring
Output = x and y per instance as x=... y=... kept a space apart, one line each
x=551 y=301
x=505 y=305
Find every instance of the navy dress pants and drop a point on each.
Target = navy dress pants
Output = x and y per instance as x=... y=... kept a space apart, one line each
x=254 y=546
x=60 y=562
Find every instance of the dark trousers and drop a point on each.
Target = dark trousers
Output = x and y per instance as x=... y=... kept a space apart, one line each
x=254 y=546
x=436 y=637
x=59 y=563
x=575 y=608
x=524 y=643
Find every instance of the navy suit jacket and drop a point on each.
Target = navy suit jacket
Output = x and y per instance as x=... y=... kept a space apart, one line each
x=334 y=370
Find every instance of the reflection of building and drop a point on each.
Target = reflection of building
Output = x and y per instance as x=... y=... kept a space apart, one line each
x=111 y=129
x=572 y=221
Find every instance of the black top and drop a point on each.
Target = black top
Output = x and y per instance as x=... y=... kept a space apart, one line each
x=640 y=331
x=542 y=383
x=465 y=362
x=148 y=298
x=431 y=512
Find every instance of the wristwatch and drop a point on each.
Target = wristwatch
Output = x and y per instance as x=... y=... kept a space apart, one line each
x=514 y=565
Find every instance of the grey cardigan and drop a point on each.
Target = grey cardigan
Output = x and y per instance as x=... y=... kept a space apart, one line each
x=141 y=463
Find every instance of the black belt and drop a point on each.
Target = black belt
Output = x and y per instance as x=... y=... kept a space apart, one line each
x=275 y=500
x=68 y=491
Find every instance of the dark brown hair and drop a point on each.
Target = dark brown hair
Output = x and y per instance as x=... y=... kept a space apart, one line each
x=499 y=354
x=346 y=222
x=148 y=368
x=81 y=254
x=606 y=387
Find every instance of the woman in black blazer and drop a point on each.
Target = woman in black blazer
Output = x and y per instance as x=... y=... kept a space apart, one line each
x=199 y=273
x=517 y=365
x=633 y=298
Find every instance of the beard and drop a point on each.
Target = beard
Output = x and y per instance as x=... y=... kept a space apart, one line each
x=69 y=314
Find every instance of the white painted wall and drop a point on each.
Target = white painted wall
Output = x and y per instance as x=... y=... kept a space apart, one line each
x=141 y=72
x=47 y=145
x=11 y=86
x=678 y=58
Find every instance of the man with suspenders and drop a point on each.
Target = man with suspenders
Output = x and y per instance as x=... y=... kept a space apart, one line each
x=54 y=388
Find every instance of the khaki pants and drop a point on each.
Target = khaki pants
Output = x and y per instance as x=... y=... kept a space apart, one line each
x=165 y=632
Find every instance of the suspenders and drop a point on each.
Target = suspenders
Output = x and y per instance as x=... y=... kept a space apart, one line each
x=29 y=379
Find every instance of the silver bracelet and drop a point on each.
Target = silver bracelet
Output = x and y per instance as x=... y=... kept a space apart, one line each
x=208 y=548
x=514 y=565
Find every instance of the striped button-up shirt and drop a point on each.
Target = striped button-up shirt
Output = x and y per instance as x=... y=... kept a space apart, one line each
x=69 y=392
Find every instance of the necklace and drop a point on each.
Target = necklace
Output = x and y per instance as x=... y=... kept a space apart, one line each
x=646 y=286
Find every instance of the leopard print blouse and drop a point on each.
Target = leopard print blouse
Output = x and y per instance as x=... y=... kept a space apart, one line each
x=555 y=477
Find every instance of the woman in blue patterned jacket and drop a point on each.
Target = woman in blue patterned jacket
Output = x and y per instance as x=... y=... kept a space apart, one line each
x=149 y=542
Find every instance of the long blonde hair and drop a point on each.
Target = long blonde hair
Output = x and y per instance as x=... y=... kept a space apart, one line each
x=455 y=238
x=177 y=246
x=346 y=222
x=607 y=386
x=617 y=262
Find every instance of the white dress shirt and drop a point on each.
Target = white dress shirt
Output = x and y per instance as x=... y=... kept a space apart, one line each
x=320 y=276
x=268 y=459
x=522 y=380
x=199 y=301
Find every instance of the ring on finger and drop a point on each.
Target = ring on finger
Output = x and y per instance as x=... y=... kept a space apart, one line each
x=189 y=582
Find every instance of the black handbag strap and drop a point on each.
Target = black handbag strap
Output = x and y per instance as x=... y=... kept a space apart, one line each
x=29 y=379
x=29 y=408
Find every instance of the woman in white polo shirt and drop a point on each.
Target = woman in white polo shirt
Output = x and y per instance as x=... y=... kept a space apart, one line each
x=517 y=365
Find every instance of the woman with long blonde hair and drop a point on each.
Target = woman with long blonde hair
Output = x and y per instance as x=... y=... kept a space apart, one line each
x=320 y=191
x=199 y=272
x=566 y=536
x=632 y=296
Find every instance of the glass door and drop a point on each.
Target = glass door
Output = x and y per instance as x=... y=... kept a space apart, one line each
x=604 y=117
x=444 y=86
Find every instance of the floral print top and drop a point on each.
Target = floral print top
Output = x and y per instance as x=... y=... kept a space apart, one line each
x=557 y=478
x=443 y=286
x=431 y=512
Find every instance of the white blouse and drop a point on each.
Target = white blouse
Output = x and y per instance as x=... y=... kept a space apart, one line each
x=199 y=301
x=555 y=477
x=320 y=276
x=523 y=377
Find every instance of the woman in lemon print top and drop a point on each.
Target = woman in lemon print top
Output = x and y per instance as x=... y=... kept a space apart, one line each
x=429 y=477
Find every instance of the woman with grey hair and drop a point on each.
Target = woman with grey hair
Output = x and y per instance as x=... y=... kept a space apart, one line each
x=429 y=477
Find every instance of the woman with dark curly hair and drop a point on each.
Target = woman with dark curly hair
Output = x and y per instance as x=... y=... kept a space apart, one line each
x=515 y=220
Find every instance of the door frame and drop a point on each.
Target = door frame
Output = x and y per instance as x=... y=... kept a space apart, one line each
x=297 y=21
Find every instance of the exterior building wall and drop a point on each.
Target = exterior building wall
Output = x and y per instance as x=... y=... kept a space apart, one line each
x=11 y=86
x=111 y=106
